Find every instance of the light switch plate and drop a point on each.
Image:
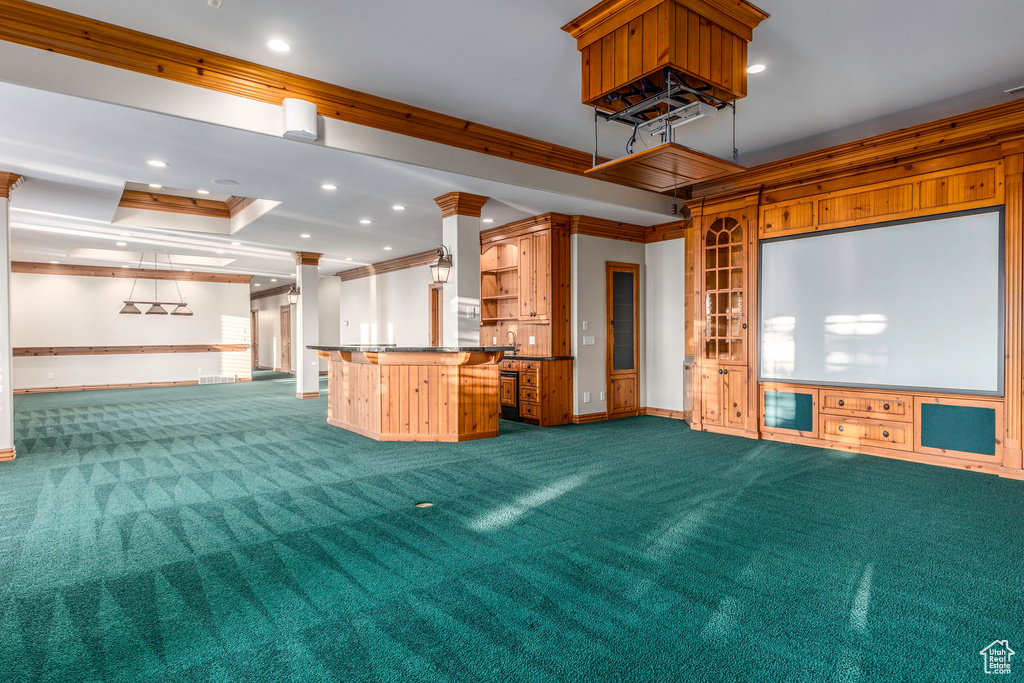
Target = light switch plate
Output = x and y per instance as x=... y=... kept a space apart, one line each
x=602 y=396
x=49 y=375
x=589 y=341
x=586 y=325
x=586 y=397
x=495 y=341
x=533 y=340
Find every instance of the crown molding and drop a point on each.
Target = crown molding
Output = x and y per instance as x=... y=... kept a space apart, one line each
x=8 y=181
x=128 y=273
x=424 y=258
x=461 y=204
x=307 y=258
x=169 y=203
x=267 y=293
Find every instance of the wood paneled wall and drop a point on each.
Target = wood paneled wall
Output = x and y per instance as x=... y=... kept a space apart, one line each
x=110 y=271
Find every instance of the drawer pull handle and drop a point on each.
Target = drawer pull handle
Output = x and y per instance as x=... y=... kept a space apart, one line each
x=725 y=372
x=885 y=434
x=841 y=403
x=840 y=427
x=885 y=406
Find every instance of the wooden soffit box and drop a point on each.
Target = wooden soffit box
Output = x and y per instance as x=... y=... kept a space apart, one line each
x=628 y=46
x=664 y=168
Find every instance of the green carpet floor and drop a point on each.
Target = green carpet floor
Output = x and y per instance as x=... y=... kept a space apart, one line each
x=226 y=533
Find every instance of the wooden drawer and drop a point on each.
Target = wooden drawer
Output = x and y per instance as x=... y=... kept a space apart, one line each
x=530 y=410
x=529 y=365
x=528 y=394
x=529 y=379
x=896 y=435
x=510 y=365
x=871 y=406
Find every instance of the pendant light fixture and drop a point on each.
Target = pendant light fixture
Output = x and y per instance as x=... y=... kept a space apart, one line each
x=442 y=267
x=156 y=307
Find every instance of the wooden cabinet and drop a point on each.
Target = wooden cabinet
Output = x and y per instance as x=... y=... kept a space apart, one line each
x=723 y=295
x=507 y=390
x=525 y=270
x=545 y=390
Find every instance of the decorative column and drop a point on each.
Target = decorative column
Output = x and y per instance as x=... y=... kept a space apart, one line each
x=1013 y=165
x=8 y=181
x=307 y=325
x=460 y=232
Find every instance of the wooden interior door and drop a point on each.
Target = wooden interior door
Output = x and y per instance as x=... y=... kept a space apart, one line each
x=436 y=315
x=254 y=335
x=622 y=300
x=286 y=338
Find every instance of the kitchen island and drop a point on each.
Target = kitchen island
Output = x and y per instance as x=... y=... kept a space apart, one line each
x=394 y=393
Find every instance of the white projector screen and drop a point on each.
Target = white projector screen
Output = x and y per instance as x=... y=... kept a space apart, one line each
x=913 y=305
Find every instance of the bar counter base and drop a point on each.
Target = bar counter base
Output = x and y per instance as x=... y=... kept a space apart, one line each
x=414 y=396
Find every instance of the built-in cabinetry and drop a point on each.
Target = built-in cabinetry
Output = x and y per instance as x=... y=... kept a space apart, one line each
x=723 y=357
x=525 y=270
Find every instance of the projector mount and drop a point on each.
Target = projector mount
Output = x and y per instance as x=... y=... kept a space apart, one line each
x=661 y=111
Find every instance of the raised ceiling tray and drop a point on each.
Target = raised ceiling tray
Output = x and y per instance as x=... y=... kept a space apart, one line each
x=663 y=168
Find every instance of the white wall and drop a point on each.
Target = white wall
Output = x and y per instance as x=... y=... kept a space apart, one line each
x=67 y=310
x=589 y=255
x=665 y=323
x=389 y=308
x=269 y=343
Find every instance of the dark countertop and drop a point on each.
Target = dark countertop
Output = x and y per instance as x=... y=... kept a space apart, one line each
x=411 y=349
x=517 y=357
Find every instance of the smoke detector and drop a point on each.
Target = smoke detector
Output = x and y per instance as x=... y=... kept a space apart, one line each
x=215 y=3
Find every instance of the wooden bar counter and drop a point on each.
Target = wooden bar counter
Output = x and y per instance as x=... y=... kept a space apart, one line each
x=394 y=393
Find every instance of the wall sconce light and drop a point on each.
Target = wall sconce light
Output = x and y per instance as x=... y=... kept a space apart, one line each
x=293 y=295
x=442 y=267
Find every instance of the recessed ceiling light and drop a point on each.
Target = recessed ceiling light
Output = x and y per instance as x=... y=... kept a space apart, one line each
x=125 y=234
x=187 y=270
x=155 y=186
x=202 y=192
x=236 y=244
x=365 y=221
x=54 y=262
x=488 y=220
x=273 y=279
x=156 y=163
x=398 y=207
x=756 y=68
x=126 y=266
x=257 y=284
x=349 y=258
x=220 y=251
x=387 y=248
x=122 y=244
x=225 y=182
x=328 y=186
x=304 y=236
x=278 y=45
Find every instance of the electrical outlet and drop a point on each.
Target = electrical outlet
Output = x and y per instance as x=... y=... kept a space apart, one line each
x=199 y=371
x=49 y=375
x=586 y=325
x=533 y=340
x=345 y=323
x=586 y=397
x=589 y=341
x=494 y=340
x=602 y=396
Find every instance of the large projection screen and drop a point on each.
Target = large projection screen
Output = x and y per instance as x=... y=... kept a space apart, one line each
x=907 y=305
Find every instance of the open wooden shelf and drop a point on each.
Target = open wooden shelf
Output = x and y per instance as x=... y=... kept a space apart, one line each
x=499 y=297
x=493 y=271
x=495 y=320
x=664 y=168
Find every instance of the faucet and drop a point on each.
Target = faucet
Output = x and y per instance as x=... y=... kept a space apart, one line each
x=515 y=346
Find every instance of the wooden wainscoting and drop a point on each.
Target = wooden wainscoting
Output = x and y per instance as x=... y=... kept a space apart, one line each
x=103 y=387
x=30 y=351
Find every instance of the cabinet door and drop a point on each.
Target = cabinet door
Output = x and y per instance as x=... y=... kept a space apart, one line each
x=711 y=395
x=623 y=398
x=542 y=276
x=527 y=285
x=734 y=396
x=507 y=390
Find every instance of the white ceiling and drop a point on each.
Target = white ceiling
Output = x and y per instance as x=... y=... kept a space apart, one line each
x=836 y=71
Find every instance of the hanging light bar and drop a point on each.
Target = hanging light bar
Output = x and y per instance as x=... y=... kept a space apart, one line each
x=155 y=307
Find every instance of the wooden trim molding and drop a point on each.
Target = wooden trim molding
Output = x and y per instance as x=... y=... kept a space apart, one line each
x=614 y=230
x=7 y=454
x=169 y=203
x=669 y=231
x=76 y=36
x=267 y=293
x=307 y=258
x=589 y=417
x=8 y=181
x=424 y=258
x=960 y=133
x=130 y=273
x=461 y=204
x=103 y=387
x=307 y=394
x=26 y=351
x=664 y=412
x=237 y=204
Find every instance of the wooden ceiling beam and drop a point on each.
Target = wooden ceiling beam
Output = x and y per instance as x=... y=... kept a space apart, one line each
x=169 y=203
x=113 y=271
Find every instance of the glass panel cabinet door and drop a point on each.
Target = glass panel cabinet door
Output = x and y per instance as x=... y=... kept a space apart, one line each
x=724 y=304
